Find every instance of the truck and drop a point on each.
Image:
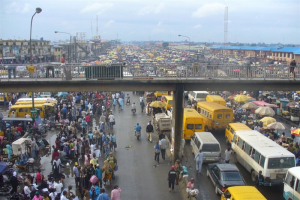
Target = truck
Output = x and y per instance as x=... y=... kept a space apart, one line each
x=196 y=96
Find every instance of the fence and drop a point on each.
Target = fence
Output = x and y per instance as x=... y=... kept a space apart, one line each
x=177 y=71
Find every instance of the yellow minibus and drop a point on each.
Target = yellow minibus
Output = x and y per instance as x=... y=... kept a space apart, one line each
x=22 y=110
x=216 y=98
x=192 y=122
x=232 y=128
x=215 y=116
x=242 y=193
x=169 y=102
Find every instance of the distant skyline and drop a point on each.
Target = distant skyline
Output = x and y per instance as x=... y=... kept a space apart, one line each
x=268 y=21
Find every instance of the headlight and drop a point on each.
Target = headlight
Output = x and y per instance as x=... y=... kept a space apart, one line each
x=217 y=123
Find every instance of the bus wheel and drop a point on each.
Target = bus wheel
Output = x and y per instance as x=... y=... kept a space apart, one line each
x=253 y=175
x=206 y=129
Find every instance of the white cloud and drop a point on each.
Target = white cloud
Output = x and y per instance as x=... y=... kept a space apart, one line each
x=100 y=7
x=110 y=22
x=15 y=7
x=151 y=9
x=160 y=23
x=209 y=9
x=198 y=26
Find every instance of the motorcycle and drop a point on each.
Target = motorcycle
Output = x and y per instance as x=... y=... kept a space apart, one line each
x=133 y=111
x=128 y=101
x=138 y=135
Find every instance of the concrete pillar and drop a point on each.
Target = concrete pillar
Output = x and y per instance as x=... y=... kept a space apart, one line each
x=178 y=116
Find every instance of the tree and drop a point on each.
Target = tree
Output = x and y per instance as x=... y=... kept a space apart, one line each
x=165 y=44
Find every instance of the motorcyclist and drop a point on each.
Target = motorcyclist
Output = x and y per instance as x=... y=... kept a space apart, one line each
x=128 y=99
x=138 y=128
x=133 y=107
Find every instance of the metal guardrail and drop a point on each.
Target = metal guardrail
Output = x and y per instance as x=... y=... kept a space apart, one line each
x=170 y=71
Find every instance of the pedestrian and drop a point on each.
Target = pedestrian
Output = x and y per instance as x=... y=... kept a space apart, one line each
x=149 y=131
x=64 y=195
x=38 y=177
x=293 y=64
x=163 y=145
x=171 y=178
x=116 y=193
x=58 y=186
x=14 y=183
x=157 y=151
x=38 y=197
x=199 y=160
x=90 y=136
x=103 y=195
x=111 y=120
x=98 y=173
x=259 y=179
x=113 y=142
x=190 y=186
x=76 y=174
x=228 y=153
x=94 y=191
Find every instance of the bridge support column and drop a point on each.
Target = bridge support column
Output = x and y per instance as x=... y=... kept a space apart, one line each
x=178 y=116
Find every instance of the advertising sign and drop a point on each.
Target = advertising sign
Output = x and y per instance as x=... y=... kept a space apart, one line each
x=45 y=50
x=24 y=50
x=15 y=50
x=6 y=51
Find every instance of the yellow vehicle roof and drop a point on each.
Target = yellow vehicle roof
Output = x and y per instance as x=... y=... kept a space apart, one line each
x=246 y=192
x=190 y=112
x=239 y=125
x=214 y=98
x=169 y=97
x=212 y=105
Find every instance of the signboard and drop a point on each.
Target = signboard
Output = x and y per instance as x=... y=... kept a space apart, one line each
x=6 y=51
x=15 y=50
x=24 y=50
x=45 y=50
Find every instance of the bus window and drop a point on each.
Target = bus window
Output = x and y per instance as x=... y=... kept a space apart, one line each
x=199 y=110
x=247 y=148
x=288 y=179
x=243 y=147
x=298 y=186
x=21 y=110
x=190 y=126
x=219 y=116
x=276 y=163
x=241 y=143
x=262 y=161
x=232 y=131
x=227 y=116
x=198 y=126
x=256 y=156
x=210 y=116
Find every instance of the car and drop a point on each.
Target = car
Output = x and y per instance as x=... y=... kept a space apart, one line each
x=223 y=176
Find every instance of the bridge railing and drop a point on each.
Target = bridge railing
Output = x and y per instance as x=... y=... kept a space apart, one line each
x=179 y=70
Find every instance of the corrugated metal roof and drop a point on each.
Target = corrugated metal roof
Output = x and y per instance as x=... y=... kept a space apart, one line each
x=295 y=50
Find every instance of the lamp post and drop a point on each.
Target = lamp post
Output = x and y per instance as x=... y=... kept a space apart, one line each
x=70 y=54
x=186 y=70
x=37 y=11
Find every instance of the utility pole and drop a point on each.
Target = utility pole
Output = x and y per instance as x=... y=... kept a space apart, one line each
x=225 y=25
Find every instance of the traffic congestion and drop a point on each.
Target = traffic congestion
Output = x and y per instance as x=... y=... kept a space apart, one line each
x=240 y=139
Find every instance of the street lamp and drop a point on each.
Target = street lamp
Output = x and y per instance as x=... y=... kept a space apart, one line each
x=70 y=58
x=37 y=10
x=189 y=50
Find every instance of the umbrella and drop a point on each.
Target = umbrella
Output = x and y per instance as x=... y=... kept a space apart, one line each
x=158 y=104
x=265 y=111
x=291 y=104
x=276 y=126
x=227 y=93
x=240 y=98
x=296 y=132
x=250 y=106
x=237 y=70
x=230 y=97
x=267 y=120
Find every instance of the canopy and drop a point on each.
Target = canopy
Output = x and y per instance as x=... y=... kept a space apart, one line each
x=158 y=104
x=296 y=132
x=20 y=144
x=249 y=106
x=62 y=94
x=240 y=98
x=276 y=126
x=262 y=103
x=266 y=111
x=267 y=120
x=291 y=104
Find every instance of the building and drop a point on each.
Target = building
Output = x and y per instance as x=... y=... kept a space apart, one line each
x=262 y=54
x=17 y=51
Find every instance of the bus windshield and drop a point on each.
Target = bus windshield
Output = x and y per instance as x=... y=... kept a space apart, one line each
x=279 y=163
x=210 y=148
x=201 y=95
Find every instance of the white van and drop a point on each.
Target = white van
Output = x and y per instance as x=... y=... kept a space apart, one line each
x=291 y=188
x=197 y=96
x=210 y=146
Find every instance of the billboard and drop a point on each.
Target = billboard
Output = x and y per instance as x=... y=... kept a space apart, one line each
x=45 y=50
x=25 y=50
x=15 y=50
x=6 y=51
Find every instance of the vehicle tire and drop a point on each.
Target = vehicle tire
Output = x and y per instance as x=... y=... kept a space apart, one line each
x=253 y=174
x=206 y=129
x=216 y=190
x=207 y=173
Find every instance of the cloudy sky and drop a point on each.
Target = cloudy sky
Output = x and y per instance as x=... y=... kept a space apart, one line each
x=249 y=21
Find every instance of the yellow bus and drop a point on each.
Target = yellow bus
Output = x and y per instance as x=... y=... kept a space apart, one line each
x=2 y=96
x=242 y=193
x=169 y=102
x=160 y=93
x=232 y=128
x=192 y=122
x=45 y=100
x=29 y=102
x=22 y=110
x=215 y=116
x=216 y=98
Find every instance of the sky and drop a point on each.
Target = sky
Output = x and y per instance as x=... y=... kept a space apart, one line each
x=249 y=21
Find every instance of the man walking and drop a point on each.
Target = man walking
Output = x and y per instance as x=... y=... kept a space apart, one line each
x=199 y=161
x=163 y=145
x=171 y=178
x=76 y=174
x=149 y=131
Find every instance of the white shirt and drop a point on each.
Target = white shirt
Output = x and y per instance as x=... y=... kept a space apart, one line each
x=92 y=148
x=141 y=98
x=58 y=187
x=51 y=184
x=52 y=195
x=227 y=154
x=111 y=118
x=27 y=191
x=63 y=197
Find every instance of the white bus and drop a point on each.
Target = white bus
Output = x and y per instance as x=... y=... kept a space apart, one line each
x=291 y=188
x=257 y=152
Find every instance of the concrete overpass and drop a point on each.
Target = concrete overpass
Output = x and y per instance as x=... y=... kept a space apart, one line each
x=178 y=86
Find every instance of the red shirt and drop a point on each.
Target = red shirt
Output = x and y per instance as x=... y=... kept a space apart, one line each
x=55 y=154
x=19 y=129
x=38 y=177
x=87 y=118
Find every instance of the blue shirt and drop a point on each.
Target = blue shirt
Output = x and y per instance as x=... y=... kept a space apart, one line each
x=103 y=196
x=98 y=173
x=113 y=138
x=138 y=128
x=103 y=137
x=97 y=192
x=64 y=110
x=91 y=135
